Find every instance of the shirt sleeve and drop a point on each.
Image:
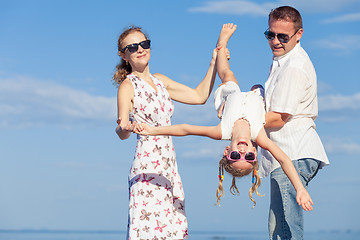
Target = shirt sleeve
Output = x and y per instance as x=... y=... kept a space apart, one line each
x=223 y=92
x=288 y=90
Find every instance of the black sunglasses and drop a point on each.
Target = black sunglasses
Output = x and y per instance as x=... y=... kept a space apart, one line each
x=283 y=38
x=135 y=46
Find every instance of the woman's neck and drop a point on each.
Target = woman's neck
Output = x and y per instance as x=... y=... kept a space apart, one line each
x=145 y=76
x=143 y=73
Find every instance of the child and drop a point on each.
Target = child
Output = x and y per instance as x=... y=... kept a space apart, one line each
x=242 y=121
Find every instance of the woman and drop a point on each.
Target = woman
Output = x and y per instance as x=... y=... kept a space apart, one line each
x=156 y=208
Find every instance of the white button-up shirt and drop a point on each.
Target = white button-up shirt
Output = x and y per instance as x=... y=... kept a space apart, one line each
x=291 y=88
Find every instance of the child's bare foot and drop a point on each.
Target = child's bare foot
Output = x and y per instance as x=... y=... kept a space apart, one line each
x=226 y=32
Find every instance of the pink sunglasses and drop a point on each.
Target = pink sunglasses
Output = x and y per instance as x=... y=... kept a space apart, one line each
x=236 y=156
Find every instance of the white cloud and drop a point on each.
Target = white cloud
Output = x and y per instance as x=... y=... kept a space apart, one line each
x=196 y=114
x=235 y=7
x=319 y=6
x=339 y=102
x=339 y=108
x=346 y=44
x=263 y=9
x=196 y=150
x=344 y=145
x=323 y=87
x=26 y=102
x=353 y=17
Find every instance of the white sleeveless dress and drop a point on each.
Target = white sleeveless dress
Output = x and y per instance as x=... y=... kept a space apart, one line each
x=156 y=207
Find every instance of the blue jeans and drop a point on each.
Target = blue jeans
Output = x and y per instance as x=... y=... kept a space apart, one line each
x=286 y=219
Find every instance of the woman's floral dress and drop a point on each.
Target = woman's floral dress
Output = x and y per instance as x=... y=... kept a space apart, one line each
x=156 y=207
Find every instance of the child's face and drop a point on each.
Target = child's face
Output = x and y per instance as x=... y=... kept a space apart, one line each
x=243 y=147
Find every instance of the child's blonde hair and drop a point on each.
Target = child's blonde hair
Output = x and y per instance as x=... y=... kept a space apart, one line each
x=256 y=180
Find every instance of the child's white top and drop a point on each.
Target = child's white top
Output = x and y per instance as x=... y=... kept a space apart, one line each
x=238 y=105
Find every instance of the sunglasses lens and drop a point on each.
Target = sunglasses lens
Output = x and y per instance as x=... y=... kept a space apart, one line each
x=249 y=156
x=235 y=155
x=283 y=38
x=133 y=47
x=145 y=44
x=269 y=35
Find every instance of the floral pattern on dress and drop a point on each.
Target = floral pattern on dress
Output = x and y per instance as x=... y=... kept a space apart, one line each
x=156 y=205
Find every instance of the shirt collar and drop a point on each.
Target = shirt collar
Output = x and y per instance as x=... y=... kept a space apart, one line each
x=281 y=59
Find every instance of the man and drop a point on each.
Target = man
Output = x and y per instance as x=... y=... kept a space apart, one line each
x=291 y=106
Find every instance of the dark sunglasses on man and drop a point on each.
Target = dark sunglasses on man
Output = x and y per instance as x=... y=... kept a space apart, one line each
x=282 y=37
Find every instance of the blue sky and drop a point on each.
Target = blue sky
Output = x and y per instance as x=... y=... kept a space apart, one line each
x=62 y=165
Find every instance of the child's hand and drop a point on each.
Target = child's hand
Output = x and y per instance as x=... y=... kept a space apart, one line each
x=220 y=111
x=143 y=129
x=304 y=200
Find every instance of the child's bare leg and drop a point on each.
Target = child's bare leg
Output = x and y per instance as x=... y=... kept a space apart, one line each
x=226 y=32
x=222 y=62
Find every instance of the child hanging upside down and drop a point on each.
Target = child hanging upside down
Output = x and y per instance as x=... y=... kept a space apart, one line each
x=242 y=122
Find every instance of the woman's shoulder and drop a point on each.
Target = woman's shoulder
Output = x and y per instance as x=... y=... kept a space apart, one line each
x=162 y=78
x=159 y=76
x=127 y=81
x=126 y=85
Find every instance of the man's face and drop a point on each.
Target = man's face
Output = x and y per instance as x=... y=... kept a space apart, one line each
x=283 y=27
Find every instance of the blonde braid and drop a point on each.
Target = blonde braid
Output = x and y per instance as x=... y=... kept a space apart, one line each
x=220 y=189
x=233 y=189
x=256 y=183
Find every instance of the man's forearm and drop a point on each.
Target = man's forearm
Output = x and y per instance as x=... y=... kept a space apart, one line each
x=276 y=119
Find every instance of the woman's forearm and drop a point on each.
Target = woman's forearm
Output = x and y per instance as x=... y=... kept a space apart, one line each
x=205 y=87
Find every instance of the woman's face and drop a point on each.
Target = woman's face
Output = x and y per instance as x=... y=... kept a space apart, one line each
x=139 y=57
x=243 y=147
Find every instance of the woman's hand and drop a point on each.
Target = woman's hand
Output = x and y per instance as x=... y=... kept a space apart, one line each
x=227 y=54
x=126 y=129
